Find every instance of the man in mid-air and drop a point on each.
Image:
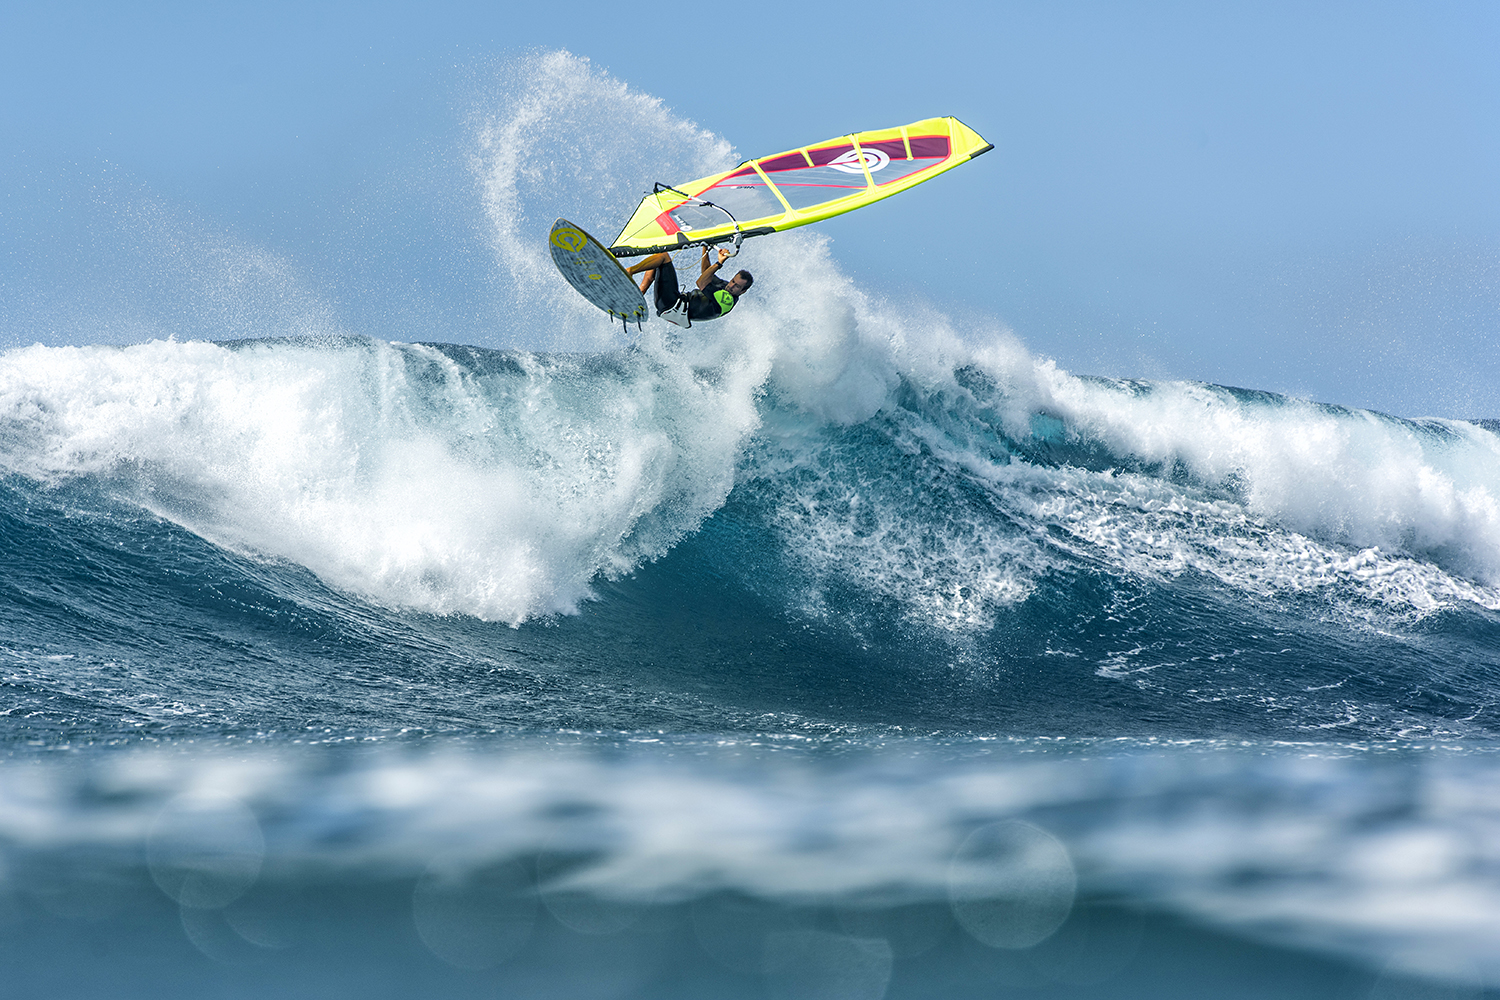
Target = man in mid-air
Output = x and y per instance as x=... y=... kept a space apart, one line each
x=713 y=297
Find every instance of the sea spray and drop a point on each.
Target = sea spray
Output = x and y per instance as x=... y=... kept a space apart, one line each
x=407 y=474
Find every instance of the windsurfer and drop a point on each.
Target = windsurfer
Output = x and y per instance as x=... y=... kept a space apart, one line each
x=713 y=297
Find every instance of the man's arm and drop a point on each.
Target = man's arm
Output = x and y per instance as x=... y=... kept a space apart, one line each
x=711 y=271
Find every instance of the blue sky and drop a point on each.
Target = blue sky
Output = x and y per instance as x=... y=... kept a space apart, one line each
x=1296 y=197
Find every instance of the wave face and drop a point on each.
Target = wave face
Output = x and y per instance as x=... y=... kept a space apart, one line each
x=964 y=520
x=743 y=635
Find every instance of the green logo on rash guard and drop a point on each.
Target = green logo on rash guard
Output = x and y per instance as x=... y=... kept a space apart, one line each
x=725 y=300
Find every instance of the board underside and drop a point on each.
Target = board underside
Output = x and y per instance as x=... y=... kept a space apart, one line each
x=594 y=272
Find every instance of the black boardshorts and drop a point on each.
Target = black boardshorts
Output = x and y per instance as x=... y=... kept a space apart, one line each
x=667 y=292
x=701 y=304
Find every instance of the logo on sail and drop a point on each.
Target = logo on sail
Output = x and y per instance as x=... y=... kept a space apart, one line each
x=856 y=160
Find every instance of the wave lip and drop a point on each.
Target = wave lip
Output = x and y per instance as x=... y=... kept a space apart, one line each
x=498 y=485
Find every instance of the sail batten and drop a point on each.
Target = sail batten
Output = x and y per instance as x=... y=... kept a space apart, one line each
x=797 y=187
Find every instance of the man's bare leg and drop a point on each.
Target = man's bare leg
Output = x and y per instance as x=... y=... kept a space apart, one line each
x=649 y=265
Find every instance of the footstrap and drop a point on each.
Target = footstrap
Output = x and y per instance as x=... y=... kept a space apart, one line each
x=677 y=314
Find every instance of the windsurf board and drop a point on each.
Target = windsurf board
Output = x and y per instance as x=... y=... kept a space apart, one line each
x=594 y=272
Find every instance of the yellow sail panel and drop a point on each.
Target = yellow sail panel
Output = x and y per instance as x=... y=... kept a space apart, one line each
x=785 y=190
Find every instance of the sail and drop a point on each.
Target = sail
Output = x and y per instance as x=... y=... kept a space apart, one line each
x=799 y=186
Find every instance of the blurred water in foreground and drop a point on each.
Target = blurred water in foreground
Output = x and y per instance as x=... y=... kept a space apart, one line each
x=646 y=866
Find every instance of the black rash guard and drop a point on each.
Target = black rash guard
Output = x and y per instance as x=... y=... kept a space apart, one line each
x=702 y=303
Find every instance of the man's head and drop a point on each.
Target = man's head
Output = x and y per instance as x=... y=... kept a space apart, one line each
x=739 y=284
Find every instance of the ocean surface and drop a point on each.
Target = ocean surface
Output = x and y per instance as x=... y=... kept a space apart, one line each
x=837 y=649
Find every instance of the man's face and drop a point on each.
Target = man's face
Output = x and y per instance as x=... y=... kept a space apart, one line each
x=737 y=285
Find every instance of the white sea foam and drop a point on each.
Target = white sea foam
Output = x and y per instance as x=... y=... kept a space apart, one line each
x=502 y=497
x=1268 y=496
x=1355 y=478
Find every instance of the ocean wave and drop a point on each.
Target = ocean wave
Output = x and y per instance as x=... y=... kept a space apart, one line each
x=504 y=484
